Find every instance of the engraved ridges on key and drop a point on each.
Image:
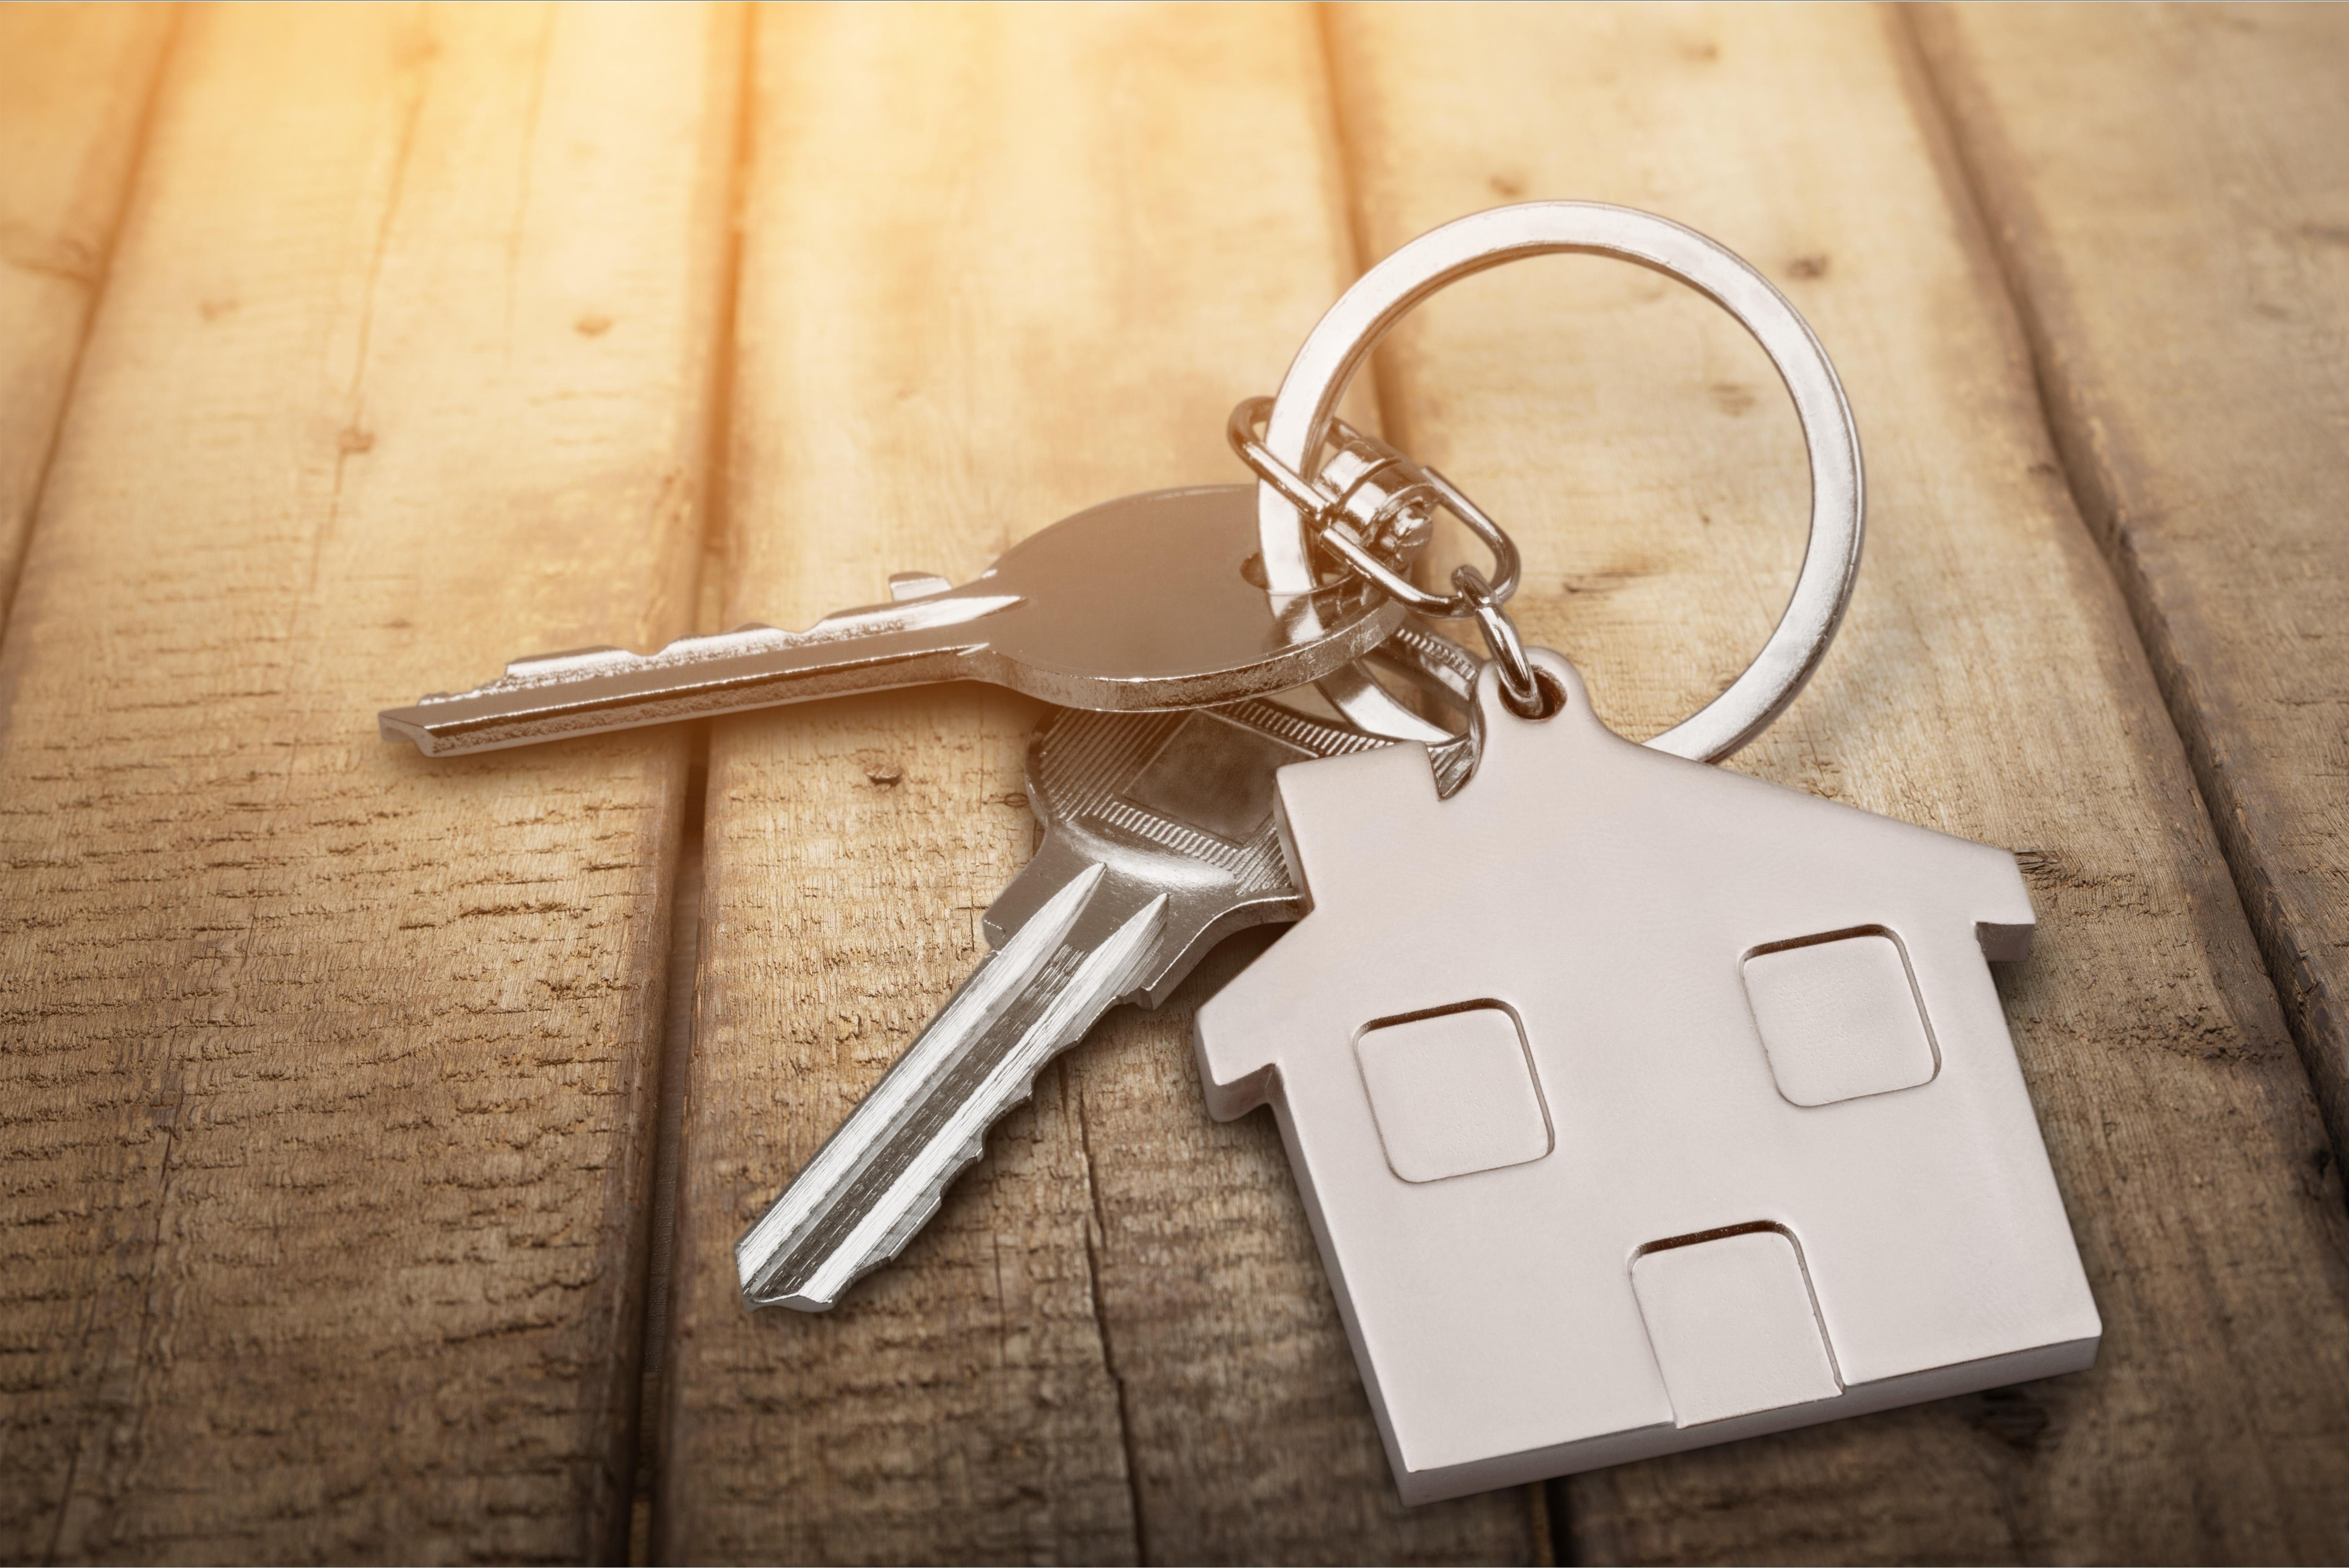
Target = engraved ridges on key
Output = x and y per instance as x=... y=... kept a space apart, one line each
x=885 y=1172
x=581 y=691
x=998 y=981
x=1099 y=980
x=849 y=626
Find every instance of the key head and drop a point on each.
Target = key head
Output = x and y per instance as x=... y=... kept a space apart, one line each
x=1145 y=604
x=1178 y=804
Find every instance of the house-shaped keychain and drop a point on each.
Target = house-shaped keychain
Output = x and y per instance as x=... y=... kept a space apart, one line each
x=1639 y=1105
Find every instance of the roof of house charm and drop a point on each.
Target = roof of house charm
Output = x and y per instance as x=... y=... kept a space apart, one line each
x=1639 y=1105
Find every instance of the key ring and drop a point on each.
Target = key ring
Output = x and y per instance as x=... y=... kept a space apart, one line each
x=1302 y=413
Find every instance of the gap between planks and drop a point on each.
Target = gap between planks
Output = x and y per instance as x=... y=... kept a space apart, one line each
x=683 y=975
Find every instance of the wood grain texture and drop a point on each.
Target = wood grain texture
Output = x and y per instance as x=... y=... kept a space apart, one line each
x=998 y=265
x=74 y=82
x=327 y=1068
x=2167 y=190
x=1987 y=683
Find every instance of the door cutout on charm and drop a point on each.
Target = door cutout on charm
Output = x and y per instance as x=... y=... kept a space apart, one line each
x=1452 y=1091
x=1839 y=1016
x=1732 y=1321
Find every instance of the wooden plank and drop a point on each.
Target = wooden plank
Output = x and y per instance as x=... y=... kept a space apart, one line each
x=1987 y=683
x=2174 y=222
x=74 y=82
x=999 y=264
x=327 y=1068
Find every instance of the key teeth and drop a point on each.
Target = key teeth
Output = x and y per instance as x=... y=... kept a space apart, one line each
x=893 y=1244
x=902 y=1234
x=1015 y=967
x=567 y=660
x=1098 y=980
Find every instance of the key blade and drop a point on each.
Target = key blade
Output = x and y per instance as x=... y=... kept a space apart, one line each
x=596 y=689
x=883 y=1174
x=998 y=981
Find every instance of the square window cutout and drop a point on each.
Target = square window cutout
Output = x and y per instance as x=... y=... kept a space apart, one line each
x=1840 y=1019
x=1453 y=1093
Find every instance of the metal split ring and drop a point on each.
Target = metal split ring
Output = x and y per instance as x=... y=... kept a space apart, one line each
x=1302 y=413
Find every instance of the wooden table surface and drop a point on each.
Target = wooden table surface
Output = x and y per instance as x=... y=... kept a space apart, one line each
x=374 y=1132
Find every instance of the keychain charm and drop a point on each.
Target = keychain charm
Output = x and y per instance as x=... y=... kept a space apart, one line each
x=1636 y=1105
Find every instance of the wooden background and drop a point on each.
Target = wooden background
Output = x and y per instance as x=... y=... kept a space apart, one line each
x=374 y=1133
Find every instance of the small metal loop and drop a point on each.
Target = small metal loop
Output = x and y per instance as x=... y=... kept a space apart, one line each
x=1333 y=523
x=1521 y=688
x=1294 y=487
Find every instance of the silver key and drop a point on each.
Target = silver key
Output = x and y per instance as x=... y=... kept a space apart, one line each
x=1141 y=603
x=1158 y=842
